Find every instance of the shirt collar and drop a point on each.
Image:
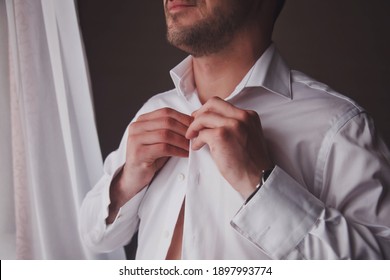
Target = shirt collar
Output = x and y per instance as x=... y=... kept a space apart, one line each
x=183 y=77
x=270 y=72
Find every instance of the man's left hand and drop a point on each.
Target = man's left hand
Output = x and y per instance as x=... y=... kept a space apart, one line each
x=236 y=142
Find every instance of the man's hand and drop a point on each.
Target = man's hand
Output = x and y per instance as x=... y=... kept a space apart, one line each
x=152 y=139
x=236 y=142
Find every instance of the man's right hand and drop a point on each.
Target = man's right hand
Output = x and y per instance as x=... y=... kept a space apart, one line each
x=152 y=139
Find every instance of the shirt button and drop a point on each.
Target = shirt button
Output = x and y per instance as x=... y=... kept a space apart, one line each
x=181 y=177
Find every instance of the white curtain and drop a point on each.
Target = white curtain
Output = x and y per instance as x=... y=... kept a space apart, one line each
x=50 y=155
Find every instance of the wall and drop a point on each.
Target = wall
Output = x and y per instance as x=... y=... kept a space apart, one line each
x=129 y=60
x=342 y=43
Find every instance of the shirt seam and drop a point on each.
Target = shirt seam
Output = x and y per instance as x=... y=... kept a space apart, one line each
x=314 y=85
x=324 y=151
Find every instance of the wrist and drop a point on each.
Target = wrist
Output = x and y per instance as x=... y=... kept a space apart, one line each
x=121 y=190
x=265 y=173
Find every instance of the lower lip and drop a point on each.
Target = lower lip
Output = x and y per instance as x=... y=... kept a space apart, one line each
x=178 y=8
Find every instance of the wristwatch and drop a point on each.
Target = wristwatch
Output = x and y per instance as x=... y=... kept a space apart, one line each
x=264 y=176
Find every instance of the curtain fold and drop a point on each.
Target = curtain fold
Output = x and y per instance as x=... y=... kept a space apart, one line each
x=56 y=157
x=7 y=205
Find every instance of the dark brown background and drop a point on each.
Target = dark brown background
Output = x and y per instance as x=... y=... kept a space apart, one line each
x=344 y=43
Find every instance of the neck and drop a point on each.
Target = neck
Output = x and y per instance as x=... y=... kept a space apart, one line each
x=218 y=74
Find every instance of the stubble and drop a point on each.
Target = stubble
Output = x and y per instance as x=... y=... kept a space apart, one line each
x=210 y=35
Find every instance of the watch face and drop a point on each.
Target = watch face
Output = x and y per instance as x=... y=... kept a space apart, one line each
x=266 y=174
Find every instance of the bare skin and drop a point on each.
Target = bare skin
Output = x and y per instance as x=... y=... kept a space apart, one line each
x=234 y=135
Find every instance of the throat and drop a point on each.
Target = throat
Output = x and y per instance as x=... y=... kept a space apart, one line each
x=218 y=80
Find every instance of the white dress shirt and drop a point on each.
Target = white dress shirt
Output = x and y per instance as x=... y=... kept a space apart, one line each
x=327 y=198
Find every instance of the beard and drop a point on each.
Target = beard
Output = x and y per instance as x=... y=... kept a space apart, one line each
x=211 y=34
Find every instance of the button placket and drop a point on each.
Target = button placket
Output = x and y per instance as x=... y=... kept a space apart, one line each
x=166 y=234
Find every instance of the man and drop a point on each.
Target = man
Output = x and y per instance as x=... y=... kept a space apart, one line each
x=244 y=159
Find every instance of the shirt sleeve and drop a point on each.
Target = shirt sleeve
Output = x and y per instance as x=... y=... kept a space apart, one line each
x=350 y=219
x=96 y=235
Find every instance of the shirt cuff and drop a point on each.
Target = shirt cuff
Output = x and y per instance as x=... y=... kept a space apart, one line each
x=279 y=215
x=128 y=212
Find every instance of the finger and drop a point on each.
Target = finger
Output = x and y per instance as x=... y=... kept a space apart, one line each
x=193 y=114
x=168 y=123
x=162 y=136
x=209 y=120
x=201 y=140
x=166 y=112
x=222 y=107
x=162 y=150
